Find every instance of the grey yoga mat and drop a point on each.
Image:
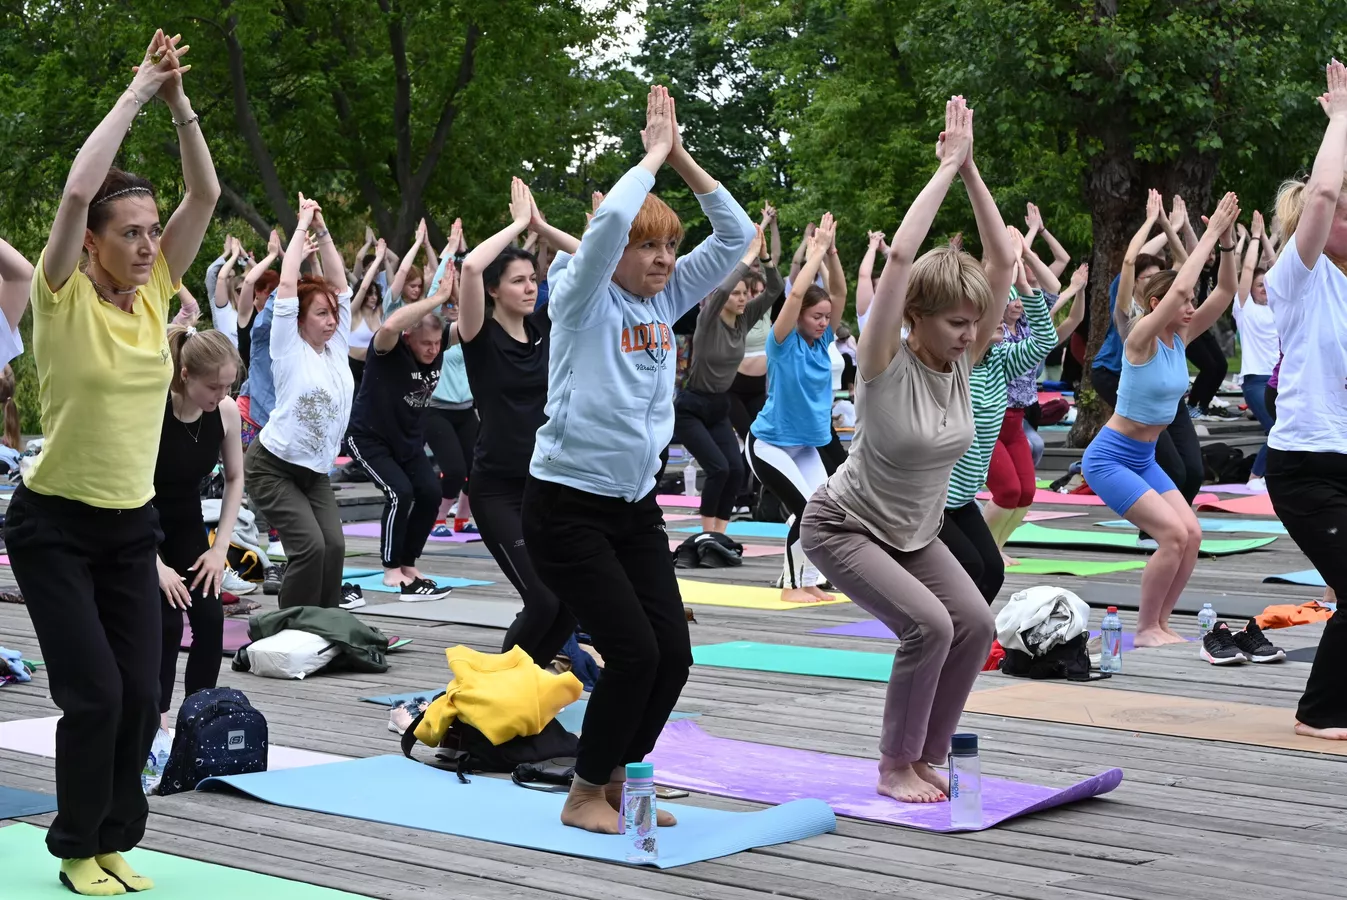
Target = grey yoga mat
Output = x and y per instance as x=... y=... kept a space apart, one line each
x=456 y=610
x=1128 y=596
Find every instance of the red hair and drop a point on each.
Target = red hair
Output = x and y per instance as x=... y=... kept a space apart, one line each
x=312 y=290
x=655 y=220
x=267 y=281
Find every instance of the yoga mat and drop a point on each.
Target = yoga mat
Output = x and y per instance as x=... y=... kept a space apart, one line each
x=1081 y=568
x=38 y=737
x=458 y=610
x=1201 y=719
x=573 y=716
x=15 y=803
x=711 y=593
x=792 y=660
x=1251 y=526
x=4 y=559
x=352 y=574
x=1101 y=595
x=372 y=530
x=1241 y=489
x=1054 y=498
x=750 y=550
x=409 y=697
x=235 y=634
x=749 y=529
x=1302 y=654
x=1256 y=505
x=1308 y=577
x=1032 y=535
x=680 y=501
x=1043 y=515
x=375 y=582
x=399 y=791
x=30 y=873
x=689 y=758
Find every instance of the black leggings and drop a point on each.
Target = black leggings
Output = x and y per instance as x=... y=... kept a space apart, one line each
x=1309 y=494
x=609 y=562
x=1176 y=450
x=411 y=499
x=1205 y=353
x=702 y=426
x=792 y=474
x=1270 y=398
x=748 y=394
x=183 y=544
x=452 y=436
x=543 y=626
x=966 y=535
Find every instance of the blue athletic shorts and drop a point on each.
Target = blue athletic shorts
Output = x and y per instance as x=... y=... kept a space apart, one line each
x=1119 y=469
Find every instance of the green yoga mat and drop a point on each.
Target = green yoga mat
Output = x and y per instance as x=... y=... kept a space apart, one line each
x=1249 y=526
x=1033 y=535
x=793 y=660
x=1081 y=568
x=30 y=872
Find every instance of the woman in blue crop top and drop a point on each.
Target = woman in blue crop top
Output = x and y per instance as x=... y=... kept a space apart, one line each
x=787 y=439
x=1119 y=464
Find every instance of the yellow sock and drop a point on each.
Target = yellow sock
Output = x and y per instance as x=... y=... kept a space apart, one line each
x=86 y=878
x=118 y=868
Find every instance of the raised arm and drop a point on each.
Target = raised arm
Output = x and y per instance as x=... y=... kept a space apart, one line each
x=715 y=301
x=1325 y=183
x=358 y=270
x=797 y=261
x=1178 y=252
x=1251 y=257
x=769 y=212
x=998 y=257
x=865 y=275
x=400 y=277
x=188 y=310
x=471 y=291
x=1227 y=276
x=836 y=278
x=1047 y=278
x=1023 y=357
x=548 y=236
x=247 y=309
x=1140 y=343
x=1075 y=292
x=222 y=269
x=16 y=276
x=1127 y=277
x=1060 y=258
x=816 y=254
x=370 y=274
x=386 y=338
x=1178 y=217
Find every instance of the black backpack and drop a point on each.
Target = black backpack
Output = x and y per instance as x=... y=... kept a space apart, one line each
x=1223 y=464
x=219 y=733
x=708 y=550
x=465 y=750
x=1070 y=660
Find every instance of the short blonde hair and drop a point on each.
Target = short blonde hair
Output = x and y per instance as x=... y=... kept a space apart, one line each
x=655 y=220
x=942 y=279
x=1291 y=204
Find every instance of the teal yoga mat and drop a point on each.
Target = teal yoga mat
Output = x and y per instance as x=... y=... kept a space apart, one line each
x=399 y=791
x=1249 y=526
x=30 y=874
x=1308 y=577
x=749 y=530
x=15 y=803
x=791 y=660
x=1031 y=535
x=375 y=582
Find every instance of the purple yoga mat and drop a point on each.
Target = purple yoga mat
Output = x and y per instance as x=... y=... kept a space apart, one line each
x=873 y=628
x=235 y=633
x=689 y=758
x=371 y=529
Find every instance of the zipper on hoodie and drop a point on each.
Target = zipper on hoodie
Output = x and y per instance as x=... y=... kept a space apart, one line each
x=651 y=453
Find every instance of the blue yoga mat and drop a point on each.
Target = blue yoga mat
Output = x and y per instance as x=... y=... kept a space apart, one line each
x=409 y=697
x=375 y=582
x=1250 y=526
x=399 y=791
x=749 y=530
x=15 y=803
x=1309 y=577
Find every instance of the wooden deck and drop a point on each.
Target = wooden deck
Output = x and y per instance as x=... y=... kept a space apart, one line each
x=1191 y=819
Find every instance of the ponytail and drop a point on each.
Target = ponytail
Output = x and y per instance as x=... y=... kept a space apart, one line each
x=13 y=436
x=200 y=353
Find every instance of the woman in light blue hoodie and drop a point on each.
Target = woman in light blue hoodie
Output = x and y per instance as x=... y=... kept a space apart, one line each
x=591 y=523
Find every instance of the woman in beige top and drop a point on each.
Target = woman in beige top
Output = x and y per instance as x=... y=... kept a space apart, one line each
x=872 y=528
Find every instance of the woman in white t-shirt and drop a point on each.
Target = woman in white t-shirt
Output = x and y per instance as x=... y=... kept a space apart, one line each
x=1307 y=448
x=1259 y=345
x=287 y=466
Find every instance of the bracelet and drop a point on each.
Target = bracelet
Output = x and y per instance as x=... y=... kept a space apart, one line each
x=196 y=117
x=134 y=96
x=1230 y=249
x=318 y=236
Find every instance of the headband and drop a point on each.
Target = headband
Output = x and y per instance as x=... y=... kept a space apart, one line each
x=115 y=194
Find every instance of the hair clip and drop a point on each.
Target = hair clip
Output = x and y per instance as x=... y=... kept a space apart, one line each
x=191 y=330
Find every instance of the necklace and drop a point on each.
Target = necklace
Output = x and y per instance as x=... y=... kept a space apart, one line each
x=196 y=438
x=103 y=290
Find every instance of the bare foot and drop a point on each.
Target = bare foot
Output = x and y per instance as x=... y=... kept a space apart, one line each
x=931 y=775
x=1171 y=632
x=587 y=807
x=1328 y=734
x=395 y=578
x=819 y=593
x=798 y=595
x=1009 y=560
x=903 y=784
x=411 y=573
x=1156 y=637
x=613 y=791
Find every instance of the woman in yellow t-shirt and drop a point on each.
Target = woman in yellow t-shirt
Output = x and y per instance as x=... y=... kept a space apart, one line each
x=80 y=531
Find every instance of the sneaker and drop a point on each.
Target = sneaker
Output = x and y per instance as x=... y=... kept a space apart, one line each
x=1257 y=483
x=400 y=718
x=466 y=528
x=351 y=596
x=1219 y=647
x=441 y=530
x=1256 y=647
x=424 y=589
x=236 y=585
x=1194 y=412
x=271 y=579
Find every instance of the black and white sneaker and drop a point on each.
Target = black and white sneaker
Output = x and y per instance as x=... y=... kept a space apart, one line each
x=424 y=589
x=1255 y=645
x=271 y=579
x=351 y=596
x=1219 y=647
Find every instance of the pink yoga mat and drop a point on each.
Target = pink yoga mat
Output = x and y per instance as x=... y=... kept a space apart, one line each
x=681 y=501
x=372 y=529
x=689 y=758
x=1256 y=505
x=235 y=634
x=4 y=559
x=1054 y=498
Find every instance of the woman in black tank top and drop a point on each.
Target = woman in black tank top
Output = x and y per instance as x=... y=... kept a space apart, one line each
x=201 y=426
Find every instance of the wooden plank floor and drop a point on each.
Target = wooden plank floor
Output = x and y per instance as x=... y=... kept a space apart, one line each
x=1192 y=819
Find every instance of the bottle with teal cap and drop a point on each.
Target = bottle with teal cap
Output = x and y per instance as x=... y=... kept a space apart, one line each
x=965 y=782
x=638 y=813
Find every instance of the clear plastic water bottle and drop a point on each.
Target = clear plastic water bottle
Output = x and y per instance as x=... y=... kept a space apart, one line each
x=690 y=479
x=1206 y=619
x=638 y=813
x=153 y=772
x=965 y=782
x=1110 y=642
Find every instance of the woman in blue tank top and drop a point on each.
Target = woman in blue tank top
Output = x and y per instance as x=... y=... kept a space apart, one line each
x=1119 y=465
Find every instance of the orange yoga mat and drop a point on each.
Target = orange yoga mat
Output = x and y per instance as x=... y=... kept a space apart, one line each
x=1097 y=706
x=1253 y=505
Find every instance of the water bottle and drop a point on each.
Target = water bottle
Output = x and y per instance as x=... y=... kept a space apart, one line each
x=690 y=479
x=1206 y=619
x=965 y=782
x=638 y=813
x=153 y=771
x=1110 y=643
